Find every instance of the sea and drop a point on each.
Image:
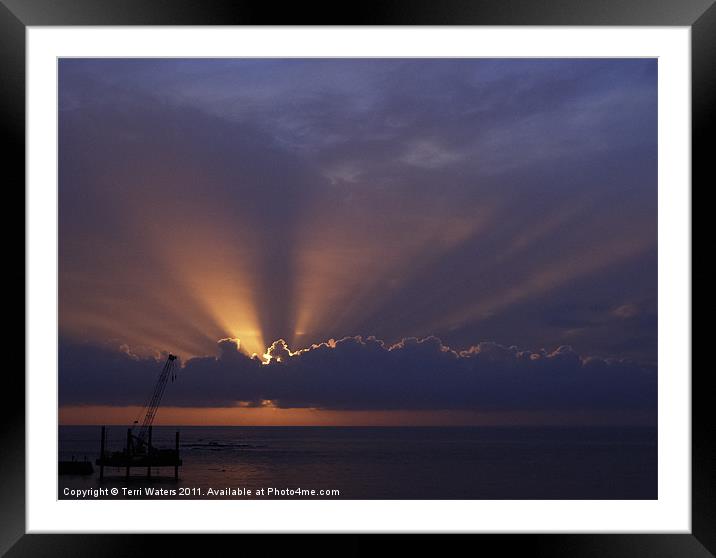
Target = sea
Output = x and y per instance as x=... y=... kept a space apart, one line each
x=406 y=463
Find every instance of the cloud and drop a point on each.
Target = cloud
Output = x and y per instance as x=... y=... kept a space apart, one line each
x=626 y=311
x=358 y=373
x=428 y=155
x=278 y=351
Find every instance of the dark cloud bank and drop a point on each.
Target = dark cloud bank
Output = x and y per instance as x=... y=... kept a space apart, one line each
x=366 y=374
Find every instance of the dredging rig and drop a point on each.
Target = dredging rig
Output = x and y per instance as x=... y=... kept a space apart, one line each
x=139 y=451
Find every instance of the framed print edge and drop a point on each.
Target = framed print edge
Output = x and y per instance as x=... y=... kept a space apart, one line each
x=703 y=445
x=387 y=12
x=12 y=413
x=12 y=52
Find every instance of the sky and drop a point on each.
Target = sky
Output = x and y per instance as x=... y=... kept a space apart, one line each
x=359 y=241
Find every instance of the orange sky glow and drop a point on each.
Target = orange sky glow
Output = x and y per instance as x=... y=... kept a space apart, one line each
x=273 y=416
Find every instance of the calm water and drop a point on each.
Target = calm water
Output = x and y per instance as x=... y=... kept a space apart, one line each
x=391 y=463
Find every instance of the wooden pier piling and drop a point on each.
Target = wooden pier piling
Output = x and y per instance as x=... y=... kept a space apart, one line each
x=176 y=448
x=129 y=445
x=101 y=454
x=149 y=452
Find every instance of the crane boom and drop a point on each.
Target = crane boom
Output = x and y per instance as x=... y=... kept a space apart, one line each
x=166 y=373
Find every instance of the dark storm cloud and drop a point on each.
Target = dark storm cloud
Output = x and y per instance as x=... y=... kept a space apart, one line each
x=358 y=374
x=307 y=199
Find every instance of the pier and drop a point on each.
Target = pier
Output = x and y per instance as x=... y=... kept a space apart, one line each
x=138 y=454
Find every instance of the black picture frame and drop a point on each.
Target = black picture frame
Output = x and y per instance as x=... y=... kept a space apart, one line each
x=16 y=15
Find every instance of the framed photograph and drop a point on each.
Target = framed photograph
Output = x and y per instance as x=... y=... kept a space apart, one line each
x=423 y=270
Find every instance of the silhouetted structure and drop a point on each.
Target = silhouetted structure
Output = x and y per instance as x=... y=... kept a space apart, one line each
x=138 y=451
x=153 y=405
x=134 y=455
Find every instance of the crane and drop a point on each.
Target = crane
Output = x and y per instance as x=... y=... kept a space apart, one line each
x=168 y=372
